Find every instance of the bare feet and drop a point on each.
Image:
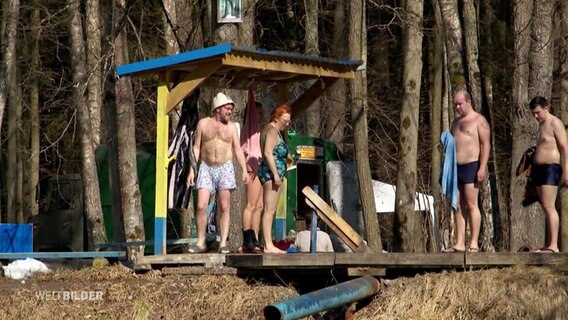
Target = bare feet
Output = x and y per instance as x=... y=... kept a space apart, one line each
x=547 y=250
x=453 y=250
x=273 y=249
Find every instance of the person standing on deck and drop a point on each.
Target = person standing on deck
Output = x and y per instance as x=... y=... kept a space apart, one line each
x=472 y=137
x=548 y=171
x=216 y=139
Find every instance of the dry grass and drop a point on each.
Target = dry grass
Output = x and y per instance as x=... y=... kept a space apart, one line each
x=515 y=293
x=129 y=296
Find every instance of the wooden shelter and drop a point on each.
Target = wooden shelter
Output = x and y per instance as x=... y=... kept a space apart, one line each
x=226 y=66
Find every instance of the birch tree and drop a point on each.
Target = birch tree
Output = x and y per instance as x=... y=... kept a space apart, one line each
x=471 y=38
x=172 y=46
x=94 y=86
x=437 y=70
x=540 y=84
x=406 y=220
x=128 y=170
x=8 y=101
x=91 y=194
x=336 y=95
x=522 y=219
x=358 y=87
x=313 y=113
x=34 y=138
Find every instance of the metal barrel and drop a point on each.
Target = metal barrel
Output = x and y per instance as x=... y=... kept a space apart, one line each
x=323 y=299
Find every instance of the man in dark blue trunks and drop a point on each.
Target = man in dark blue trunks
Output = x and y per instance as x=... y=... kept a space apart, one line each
x=471 y=133
x=546 y=172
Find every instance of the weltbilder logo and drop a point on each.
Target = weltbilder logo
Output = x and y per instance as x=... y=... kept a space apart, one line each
x=66 y=295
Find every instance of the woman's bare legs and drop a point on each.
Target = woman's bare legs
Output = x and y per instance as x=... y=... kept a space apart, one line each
x=251 y=214
x=271 y=194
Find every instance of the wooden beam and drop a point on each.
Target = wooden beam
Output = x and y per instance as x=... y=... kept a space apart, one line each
x=514 y=258
x=262 y=63
x=399 y=259
x=207 y=259
x=189 y=82
x=292 y=260
x=311 y=95
x=333 y=220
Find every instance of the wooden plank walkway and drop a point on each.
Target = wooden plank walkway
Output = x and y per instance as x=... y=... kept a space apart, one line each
x=356 y=260
x=63 y=255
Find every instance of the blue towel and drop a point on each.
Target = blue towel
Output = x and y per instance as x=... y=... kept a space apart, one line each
x=449 y=174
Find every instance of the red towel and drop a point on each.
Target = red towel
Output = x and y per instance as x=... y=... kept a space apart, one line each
x=250 y=136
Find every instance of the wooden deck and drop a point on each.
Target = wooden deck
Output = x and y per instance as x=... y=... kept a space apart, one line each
x=354 y=263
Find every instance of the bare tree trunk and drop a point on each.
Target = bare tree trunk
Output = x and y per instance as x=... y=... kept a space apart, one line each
x=455 y=74
x=500 y=208
x=407 y=224
x=94 y=87
x=312 y=114
x=358 y=51
x=16 y=144
x=523 y=220
x=540 y=83
x=541 y=63
x=563 y=12
x=172 y=46
x=336 y=95
x=109 y=112
x=189 y=34
x=437 y=69
x=95 y=223
x=9 y=79
x=474 y=77
x=130 y=190
x=33 y=161
x=454 y=46
x=241 y=34
x=541 y=54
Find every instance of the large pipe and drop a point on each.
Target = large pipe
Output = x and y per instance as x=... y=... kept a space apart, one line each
x=323 y=299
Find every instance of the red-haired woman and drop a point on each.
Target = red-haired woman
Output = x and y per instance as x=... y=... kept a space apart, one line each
x=273 y=168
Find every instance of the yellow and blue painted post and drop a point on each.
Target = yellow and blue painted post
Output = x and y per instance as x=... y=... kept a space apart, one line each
x=161 y=209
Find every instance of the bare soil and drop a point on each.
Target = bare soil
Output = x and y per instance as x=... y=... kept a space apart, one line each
x=116 y=292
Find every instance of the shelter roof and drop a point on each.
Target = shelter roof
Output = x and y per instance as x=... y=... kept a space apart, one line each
x=237 y=67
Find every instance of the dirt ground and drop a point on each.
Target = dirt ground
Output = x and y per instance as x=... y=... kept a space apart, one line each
x=116 y=292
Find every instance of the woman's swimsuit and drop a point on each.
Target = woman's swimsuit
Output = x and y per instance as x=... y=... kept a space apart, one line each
x=280 y=152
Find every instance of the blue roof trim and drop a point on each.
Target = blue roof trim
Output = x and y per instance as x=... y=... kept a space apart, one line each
x=162 y=62
x=204 y=53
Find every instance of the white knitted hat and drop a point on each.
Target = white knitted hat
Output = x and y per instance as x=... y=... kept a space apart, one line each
x=220 y=100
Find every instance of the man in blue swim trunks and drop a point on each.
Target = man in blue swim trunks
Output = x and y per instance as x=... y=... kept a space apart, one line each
x=216 y=139
x=472 y=135
x=546 y=172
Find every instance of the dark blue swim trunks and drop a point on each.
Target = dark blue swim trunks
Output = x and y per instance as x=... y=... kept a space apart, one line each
x=546 y=174
x=467 y=173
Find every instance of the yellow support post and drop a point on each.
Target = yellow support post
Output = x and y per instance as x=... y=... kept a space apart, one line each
x=161 y=209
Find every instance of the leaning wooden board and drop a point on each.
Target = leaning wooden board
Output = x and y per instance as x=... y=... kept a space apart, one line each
x=333 y=220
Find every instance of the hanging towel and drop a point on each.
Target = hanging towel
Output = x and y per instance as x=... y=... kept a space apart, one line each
x=250 y=135
x=525 y=166
x=181 y=151
x=449 y=174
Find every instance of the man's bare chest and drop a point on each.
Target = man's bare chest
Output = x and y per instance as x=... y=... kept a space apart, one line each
x=218 y=132
x=465 y=128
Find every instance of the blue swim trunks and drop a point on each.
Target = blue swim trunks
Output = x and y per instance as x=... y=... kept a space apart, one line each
x=546 y=174
x=467 y=173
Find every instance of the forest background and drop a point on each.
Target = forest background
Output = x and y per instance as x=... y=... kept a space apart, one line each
x=60 y=98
